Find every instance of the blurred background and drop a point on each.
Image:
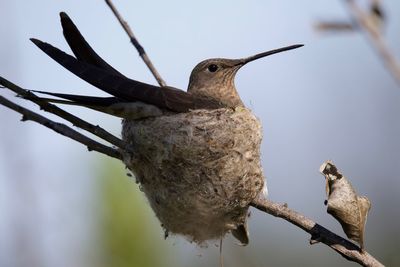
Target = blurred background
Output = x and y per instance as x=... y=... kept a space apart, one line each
x=332 y=99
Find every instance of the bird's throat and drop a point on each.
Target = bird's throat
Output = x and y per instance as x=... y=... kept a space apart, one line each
x=226 y=95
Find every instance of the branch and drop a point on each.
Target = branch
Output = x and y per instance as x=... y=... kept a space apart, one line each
x=62 y=129
x=136 y=44
x=376 y=38
x=94 y=129
x=318 y=233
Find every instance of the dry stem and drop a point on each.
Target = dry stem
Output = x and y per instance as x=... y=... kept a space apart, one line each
x=46 y=106
x=136 y=44
x=318 y=233
x=376 y=38
x=62 y=129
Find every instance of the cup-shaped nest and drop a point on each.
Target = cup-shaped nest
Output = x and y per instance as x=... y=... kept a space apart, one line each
x=199 y=170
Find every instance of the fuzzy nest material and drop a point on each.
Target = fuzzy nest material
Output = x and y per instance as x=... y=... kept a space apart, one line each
x=199 y=170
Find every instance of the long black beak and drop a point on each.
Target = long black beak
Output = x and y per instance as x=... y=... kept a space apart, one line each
x=268 y=53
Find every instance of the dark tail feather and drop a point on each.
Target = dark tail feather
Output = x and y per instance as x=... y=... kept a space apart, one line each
x=110 y=105
x=127 y=89
x=85 y=100
x=81 y=48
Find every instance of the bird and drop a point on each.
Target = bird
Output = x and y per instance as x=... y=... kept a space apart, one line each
x=211 y=88
x=211 y=83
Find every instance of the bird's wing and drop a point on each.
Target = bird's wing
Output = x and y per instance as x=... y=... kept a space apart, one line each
x=81 y=49
x=110 y=105
x=125 y=88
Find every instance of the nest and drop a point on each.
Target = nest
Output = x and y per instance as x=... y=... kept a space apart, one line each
x=199 y=170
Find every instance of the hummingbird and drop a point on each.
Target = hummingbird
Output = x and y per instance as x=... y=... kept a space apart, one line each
x=211 y=87
x=211 y=83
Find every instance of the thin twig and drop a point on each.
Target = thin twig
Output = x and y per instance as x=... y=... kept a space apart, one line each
x=376 y=38
x=94 y=129
x=62 y=129
x=221 y=256
x=318 y=233
x=136 y=43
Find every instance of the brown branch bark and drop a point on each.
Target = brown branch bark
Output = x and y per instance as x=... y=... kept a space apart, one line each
x=136 y=44
x=62 y=129
x=46 y=106
x=318 y=233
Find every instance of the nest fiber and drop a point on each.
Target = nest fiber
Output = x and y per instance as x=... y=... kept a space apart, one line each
x=199 y=170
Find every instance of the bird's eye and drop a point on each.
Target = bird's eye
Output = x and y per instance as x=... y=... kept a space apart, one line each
x=212 y=68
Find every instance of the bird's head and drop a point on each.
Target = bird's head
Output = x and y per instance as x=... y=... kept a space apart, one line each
x=214 y=78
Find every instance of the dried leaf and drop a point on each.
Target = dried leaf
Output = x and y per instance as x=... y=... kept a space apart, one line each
x=344 y=204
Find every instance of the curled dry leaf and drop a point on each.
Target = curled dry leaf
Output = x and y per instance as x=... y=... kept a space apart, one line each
x=344 y=204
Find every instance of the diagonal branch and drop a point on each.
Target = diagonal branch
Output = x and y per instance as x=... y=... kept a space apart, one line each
x=318 y=233
x=94 y=129
x=136 y=44
x=376 y=38
x=62 y=129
